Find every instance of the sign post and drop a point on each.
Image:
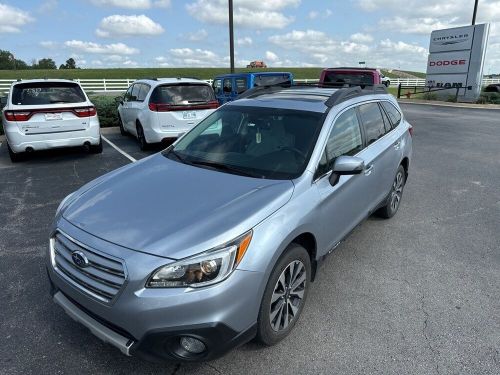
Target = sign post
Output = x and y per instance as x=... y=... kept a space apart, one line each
x=456 y=59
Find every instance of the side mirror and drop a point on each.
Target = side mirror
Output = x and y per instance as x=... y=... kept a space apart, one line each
x=3 y=100
x=348 y=165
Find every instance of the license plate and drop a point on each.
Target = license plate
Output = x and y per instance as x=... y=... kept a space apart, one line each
x=53 y=116
x=188 y=115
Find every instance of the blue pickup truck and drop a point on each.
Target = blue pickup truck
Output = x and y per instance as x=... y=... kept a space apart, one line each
x=227 y=87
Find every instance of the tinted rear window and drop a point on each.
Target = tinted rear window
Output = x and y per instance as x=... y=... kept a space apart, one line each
x=272 y=80
x=182 y=94
x=42 y=93
x=338 y=78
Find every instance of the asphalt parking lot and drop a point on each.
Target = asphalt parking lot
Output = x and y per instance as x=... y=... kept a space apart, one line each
x=417 y=294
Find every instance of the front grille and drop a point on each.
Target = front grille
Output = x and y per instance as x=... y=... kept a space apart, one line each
x=102 y=278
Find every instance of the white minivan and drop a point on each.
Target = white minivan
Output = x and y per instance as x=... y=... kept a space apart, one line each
x=157 y=110
x=48 y=113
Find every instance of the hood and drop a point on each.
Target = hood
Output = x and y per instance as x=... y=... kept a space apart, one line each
x=166 y=208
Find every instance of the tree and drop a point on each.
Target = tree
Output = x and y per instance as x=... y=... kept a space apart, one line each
x=70 y=63
x=45 y=64
x=62 y=66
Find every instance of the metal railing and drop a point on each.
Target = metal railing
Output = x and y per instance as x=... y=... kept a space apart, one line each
x=120 y=85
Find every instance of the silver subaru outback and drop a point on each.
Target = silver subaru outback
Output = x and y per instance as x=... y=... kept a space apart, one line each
x=216 y=240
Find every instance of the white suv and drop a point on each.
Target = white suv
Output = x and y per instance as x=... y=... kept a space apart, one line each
x=156 y=110
x=42 y=114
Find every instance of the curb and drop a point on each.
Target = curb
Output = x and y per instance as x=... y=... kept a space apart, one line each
x=453 y=105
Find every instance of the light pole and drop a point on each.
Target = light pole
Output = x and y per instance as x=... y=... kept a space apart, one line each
x=475 y=12
x=231 y=35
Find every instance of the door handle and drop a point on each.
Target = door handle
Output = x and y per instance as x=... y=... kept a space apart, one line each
x=397 y=144
x=368 y=170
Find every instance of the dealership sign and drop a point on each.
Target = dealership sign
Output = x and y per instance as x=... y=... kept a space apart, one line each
x=456 y=58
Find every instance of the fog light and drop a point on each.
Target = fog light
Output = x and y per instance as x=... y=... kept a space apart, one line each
x=192 y=345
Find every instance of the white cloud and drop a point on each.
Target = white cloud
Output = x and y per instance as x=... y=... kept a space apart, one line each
x=12 y=19
x=196 y=57
x=130 y=63
x=48 y=6
x=197 y=36
x=271 y=57
x=246 y=13
x=122 y=26
x=245 y=41
x=361 y=38
x=133 y=4
x=90 y=47
x=313 y=14
x=49 y=44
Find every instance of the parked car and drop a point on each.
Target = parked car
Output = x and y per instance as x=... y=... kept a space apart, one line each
x=227 y=87
x=48 y=113
x=338 y=77
x=386 y=81
x=156 y=110
x=494 y=87
x=218 y=238
x=257 y=64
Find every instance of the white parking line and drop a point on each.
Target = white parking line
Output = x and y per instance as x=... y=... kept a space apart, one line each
x=119 y=149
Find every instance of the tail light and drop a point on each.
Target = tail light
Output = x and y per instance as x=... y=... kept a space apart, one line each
x=17 y=115
x=410 y=130
x=26 y=115
x=157 y=107
x=85 y=111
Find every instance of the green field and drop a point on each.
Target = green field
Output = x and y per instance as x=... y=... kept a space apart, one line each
x=201 y=73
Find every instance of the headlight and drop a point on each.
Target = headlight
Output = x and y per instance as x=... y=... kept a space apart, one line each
x=203 y=269
x=64 y=203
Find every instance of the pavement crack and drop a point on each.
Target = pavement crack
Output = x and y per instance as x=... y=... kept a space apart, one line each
x=177 y=367
x=433 y=350
x=214 y=368
x=75 y=171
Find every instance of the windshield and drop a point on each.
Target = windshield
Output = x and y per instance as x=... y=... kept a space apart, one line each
x=253 y=141
x=180 y=94
x=354 y=78
x=42 y=93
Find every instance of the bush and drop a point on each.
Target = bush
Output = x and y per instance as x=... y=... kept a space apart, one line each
x=489 y=98
x=107 y=109
x=429 y=96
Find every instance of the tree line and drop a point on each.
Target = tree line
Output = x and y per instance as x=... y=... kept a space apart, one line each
x=9 y=62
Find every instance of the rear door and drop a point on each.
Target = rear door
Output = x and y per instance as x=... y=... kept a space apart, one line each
x=139 y=94
x=50 y=107
x=228 y=89
x=181 y=106
x=382 y=152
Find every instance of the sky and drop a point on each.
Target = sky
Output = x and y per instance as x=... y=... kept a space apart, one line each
x=390 y=34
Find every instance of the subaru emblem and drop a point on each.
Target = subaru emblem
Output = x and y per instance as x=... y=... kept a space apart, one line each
x=79 y=259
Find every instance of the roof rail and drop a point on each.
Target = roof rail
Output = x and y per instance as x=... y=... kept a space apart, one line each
x=347 y=93
x=261 y=90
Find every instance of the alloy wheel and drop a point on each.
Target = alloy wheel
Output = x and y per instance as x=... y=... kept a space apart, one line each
x=397 y=190
x=288 y=296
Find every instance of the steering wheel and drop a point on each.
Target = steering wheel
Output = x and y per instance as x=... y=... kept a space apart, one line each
x=294 y=150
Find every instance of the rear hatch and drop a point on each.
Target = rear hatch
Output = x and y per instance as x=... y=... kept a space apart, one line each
x=49 y=107
x=180 y=106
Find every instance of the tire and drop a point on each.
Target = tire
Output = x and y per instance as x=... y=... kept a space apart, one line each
x=387 y=83
x=143 y=144
x=15 y=157
x=273 y=325
x=395 y=196
x=120 y=124
x=97 y=149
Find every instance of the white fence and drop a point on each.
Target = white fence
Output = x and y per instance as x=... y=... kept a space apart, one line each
x=120 y=85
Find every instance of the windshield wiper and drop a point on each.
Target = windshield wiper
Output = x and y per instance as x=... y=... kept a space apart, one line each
x=178 y=156
x=226 y=168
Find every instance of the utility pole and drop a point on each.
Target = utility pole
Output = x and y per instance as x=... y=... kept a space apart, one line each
x=475 y=12
x=231 y=35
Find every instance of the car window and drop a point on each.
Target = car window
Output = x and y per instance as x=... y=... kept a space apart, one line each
x=344 y=139
x=135 y=92
x=217 y=86
x=228 y=85
x=41 y=93
x=372 y=121
x=393 y=113
x=128 y=94
x=333 y=78
x=241 y=85
x=143 y=92
x=270 y=80
x=182 y=94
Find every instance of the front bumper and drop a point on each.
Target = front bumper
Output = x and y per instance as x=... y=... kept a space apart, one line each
x=222 y=316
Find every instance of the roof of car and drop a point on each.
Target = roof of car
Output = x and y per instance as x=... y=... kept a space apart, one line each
x=160 y=81
x=231 y=75
x=313 y=99
x=43 y=80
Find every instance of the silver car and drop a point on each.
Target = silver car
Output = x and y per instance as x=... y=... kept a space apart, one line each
x=217 y=239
